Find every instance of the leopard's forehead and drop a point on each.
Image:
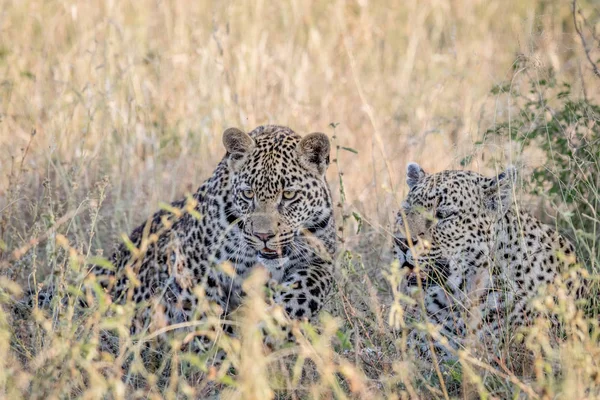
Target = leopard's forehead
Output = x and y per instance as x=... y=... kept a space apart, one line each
x=451 y=185
x=276 y=144
x=273 y=164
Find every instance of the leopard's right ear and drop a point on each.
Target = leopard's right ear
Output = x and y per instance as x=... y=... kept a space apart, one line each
x=237 y=143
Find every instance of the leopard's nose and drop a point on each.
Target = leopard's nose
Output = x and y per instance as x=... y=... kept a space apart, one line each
x=264 y=236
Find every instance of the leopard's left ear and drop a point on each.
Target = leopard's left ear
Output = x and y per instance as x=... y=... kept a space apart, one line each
x=498 y=191
x=314 y=152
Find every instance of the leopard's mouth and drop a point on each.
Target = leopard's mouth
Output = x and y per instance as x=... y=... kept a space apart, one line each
x=271 y=254
x=413 y=278
x=432 y=271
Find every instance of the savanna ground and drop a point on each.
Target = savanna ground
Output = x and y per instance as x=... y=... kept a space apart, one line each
x=110 y=108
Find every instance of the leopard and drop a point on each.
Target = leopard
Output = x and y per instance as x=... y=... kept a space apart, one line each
x=266 y=205
x=473 y=258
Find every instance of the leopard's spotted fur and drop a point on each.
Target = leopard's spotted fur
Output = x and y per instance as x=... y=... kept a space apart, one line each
x=481 y=258
x=267 y=203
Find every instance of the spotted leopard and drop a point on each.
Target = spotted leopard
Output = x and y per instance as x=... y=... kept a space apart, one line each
x=267 y=203
x=478 y=258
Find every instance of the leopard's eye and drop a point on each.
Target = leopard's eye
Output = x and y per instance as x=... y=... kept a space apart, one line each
x=248 y=194
x=443 y=214
x=289 y=194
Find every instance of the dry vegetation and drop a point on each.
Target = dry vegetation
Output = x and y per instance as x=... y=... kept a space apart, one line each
x=108 y=108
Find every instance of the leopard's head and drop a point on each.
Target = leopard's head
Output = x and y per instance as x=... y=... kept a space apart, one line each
x=446 y=217
x=278 y=187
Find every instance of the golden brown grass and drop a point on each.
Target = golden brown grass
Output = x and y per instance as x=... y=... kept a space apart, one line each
x=109 y=107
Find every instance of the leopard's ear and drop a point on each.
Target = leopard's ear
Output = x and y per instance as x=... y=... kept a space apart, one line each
x=414 y=173
x=498 y=191
x=238 y=144
x=314 y=152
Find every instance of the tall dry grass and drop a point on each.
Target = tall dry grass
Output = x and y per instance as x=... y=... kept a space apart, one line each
x=109 y=107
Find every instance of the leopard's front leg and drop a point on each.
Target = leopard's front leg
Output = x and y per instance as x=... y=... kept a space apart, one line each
x=304 y=290
x=302 y=293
